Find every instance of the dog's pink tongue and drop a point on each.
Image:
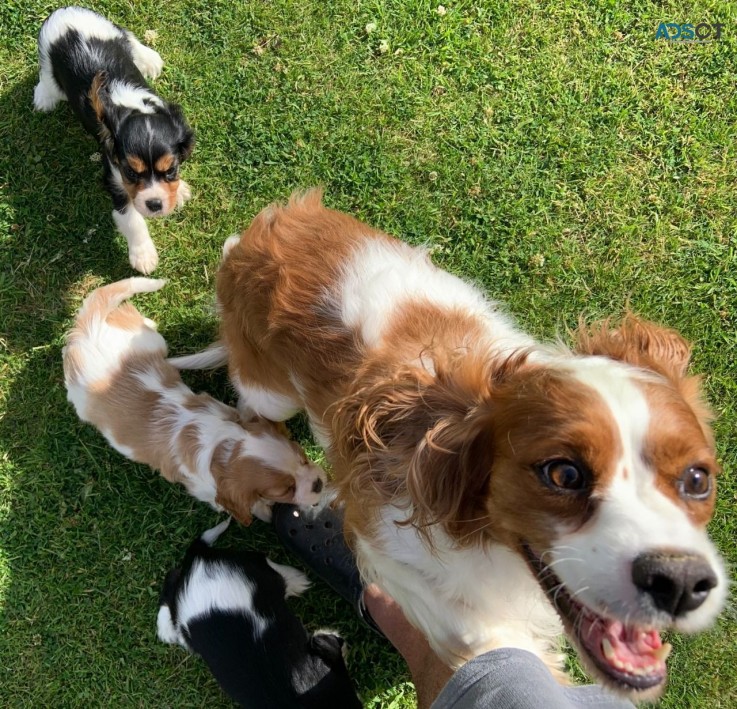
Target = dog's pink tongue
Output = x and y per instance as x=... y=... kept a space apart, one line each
x=631 y=648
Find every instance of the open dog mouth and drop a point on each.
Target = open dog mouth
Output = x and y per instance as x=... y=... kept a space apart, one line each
x=630 y=656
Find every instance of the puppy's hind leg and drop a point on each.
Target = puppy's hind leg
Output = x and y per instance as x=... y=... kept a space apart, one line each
x=148 y=61
x=47 y=92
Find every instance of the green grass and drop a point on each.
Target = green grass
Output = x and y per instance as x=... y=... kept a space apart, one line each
x=553 y=152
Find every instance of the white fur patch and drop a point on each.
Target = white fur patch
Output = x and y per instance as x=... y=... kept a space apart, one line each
x=142 y=253
x=257 y=401
x=297 y=583
x=136 y=97
x=381 y=277
x=165 y=629
x=482 y=599
x=216 y=586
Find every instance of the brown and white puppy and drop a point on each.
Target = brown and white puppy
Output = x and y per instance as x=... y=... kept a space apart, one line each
x=101 y=70
x=118 y=379
x=500 y=490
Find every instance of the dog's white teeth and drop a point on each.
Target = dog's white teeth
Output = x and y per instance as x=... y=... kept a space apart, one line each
x=628 y=668
x=607 y=649
x=663 y=652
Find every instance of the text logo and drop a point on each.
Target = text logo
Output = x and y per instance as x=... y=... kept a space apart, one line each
x=688 y=32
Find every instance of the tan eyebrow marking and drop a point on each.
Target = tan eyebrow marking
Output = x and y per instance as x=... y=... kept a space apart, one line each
x=164 y=162
x=136 y=163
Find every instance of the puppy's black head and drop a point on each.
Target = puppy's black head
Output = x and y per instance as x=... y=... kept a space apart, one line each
x=145 y=147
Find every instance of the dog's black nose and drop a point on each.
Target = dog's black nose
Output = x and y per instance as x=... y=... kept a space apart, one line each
x=153 y=205
x=677 y=583
x=317 y=486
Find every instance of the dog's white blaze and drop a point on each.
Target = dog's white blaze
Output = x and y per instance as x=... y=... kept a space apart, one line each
x=214 y=586
x=633 y=516
x=380 y=277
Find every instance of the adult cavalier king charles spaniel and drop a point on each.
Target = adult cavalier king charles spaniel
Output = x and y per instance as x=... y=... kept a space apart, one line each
x=501 y=490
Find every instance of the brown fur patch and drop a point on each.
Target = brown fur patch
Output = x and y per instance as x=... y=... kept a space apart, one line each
x=98 y=83
x=676 y=440
x=164 y=162
x=172 y=189
x=136 y=163
x=243 y=480
x=125 y=317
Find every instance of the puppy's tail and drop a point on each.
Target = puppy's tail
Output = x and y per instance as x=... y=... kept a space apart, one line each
x=216 y=355
x=210 y=536
x=102 y=301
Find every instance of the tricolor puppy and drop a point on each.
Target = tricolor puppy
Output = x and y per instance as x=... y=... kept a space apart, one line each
x=501 y=490
x=229 y=608
x=118 y=380
x=100 y=68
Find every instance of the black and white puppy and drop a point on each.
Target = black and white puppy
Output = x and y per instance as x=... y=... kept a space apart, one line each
x=228 y=607
x=100 y=68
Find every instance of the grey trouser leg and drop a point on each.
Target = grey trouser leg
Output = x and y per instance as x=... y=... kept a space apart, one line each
x=515 y=679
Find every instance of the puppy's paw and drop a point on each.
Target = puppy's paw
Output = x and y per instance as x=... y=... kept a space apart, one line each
x=143 y=257
x=183 y=193
x=148 y=61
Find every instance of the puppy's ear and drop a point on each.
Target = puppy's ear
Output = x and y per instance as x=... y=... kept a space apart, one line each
x=107 y=114
x=233 y=492
x=185 y=140
x=425 y=440
x=637 y=342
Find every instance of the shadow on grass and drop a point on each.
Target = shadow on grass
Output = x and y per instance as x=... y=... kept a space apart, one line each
x=58 y=222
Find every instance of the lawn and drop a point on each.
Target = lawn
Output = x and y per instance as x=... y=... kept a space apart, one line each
x=553 y=152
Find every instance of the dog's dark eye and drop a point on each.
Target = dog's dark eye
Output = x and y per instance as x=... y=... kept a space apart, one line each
x=130 y=174
x=564 y=475
x=171 y=174
x=696 y=482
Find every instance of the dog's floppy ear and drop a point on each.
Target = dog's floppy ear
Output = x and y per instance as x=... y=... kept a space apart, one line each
x=637 y=342
x=185 y=139
x=422 y=439
x=107 y=114
x=233 y=492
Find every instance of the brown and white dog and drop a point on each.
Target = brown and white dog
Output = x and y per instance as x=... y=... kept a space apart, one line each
x=488 y=480
x=118 y=379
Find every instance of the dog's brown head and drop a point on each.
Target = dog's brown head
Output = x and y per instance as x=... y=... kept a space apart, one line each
x=598 y=469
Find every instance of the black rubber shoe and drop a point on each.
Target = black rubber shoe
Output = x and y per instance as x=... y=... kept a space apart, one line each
x=316 y=538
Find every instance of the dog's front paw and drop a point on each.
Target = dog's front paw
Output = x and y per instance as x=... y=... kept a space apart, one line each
x=183 y=193
x=148 y=61
x=143 y=257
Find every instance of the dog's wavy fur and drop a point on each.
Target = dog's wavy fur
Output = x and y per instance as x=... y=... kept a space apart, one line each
x=441 y=418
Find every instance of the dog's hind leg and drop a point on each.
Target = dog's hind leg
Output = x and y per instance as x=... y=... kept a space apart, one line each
x=148 y=61
x=47 y=93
